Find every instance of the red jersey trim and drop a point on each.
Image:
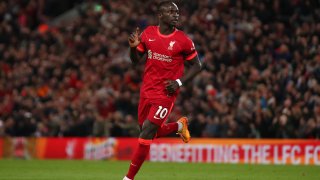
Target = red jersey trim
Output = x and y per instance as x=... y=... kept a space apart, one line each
x=140 y=48
x=191 y=56
x=166 y=36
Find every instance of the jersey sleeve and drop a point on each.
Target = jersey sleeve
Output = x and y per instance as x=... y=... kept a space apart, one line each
x=189 y=50
x=142 y=46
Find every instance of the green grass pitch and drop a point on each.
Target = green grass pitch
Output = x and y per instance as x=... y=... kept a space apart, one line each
x=115 y=170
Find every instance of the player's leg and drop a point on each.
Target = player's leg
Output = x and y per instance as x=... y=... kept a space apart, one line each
x=148 y=132
x=167 y=129
x=180 y=127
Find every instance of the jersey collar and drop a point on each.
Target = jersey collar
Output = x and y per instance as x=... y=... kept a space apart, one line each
x=168 y=35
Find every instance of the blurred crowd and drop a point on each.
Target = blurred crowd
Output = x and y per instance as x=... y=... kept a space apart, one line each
x=260 y=79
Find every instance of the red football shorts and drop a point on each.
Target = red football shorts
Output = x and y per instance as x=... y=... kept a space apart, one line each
x=155 y=110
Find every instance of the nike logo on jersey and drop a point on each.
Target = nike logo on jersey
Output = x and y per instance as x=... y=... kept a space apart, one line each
x=151 y=39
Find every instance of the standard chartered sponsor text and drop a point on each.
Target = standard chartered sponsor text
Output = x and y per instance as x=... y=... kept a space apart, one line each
x=161 y=57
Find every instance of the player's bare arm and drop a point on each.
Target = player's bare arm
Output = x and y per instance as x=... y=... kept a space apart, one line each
x=195 y=67
x=134 y=40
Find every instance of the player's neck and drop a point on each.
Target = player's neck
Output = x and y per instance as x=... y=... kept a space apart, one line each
x=165 y=30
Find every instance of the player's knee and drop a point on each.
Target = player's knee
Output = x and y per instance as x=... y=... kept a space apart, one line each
x=148 y=133
x=149 y=130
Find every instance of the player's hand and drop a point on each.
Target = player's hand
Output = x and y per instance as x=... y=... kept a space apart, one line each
x=134 y=38
x=171 y=86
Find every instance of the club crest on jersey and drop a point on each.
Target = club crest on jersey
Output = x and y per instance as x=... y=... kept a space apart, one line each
x=171 y=45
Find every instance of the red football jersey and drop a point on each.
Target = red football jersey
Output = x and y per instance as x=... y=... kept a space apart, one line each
x=165 y=60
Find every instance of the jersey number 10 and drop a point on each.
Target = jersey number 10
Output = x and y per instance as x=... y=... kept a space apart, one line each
x=161 y=113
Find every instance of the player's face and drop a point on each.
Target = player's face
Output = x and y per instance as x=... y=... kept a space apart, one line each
x=170 y=15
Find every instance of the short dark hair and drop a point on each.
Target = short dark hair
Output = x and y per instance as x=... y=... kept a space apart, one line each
x=163 y=4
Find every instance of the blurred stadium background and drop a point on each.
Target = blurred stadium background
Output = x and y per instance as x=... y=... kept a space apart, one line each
x=67 y=86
